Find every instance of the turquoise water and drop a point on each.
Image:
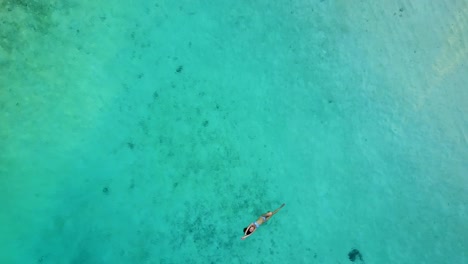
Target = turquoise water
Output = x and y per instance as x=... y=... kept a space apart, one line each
x=155 y=131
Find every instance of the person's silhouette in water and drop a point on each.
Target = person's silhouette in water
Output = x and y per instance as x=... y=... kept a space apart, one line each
x=262 y=219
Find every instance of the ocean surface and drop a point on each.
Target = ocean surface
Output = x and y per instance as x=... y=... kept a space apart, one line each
x=155 y=131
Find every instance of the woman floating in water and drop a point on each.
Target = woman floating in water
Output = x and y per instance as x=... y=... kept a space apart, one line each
x=262 y=219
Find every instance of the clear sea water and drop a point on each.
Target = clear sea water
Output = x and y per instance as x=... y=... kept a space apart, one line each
x=155 y=131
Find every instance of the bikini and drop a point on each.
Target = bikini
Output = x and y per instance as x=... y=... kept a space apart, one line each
x=257 y=225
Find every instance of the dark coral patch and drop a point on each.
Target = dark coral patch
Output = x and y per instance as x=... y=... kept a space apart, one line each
x=354 y=254
x=130 y=145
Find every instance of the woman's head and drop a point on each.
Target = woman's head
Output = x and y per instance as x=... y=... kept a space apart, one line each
x=248 y=230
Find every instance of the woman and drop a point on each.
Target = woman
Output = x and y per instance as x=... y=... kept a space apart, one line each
x=262 y=219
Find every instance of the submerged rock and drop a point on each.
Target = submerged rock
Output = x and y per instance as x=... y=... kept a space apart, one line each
x=354 y=254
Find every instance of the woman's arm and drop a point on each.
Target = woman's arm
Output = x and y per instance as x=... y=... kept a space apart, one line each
x=246 y=236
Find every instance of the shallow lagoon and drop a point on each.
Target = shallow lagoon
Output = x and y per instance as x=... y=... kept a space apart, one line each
x=155 y=132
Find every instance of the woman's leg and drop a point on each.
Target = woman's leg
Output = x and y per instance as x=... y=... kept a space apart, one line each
x=274 y=212
x=270 y=214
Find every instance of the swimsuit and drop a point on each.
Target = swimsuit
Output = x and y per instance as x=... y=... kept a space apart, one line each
x=257 y=225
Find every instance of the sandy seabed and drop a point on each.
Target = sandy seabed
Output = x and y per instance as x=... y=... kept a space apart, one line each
x=155 y=131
